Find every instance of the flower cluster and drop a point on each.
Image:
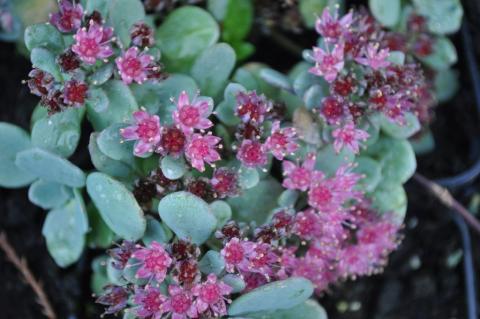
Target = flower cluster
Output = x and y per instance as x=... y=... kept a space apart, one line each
x=355 y=61
x=187 y=136
x=253 y=110
x=94 y=44
x=186 y=293
x=349 y=244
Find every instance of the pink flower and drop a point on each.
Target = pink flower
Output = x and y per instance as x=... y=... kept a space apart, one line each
x=75 y=93
x=298 y=177
x=201 y=149
x=133 y=66
x=225 y=182
x=189 y=116
x=146 y=131
x=251 y=107
x=331 y=28
x=348 y=136
x=69 y=18
x=252 y=154
x=357 y=260
x=235 y=255
x=150 y=303
x=317 y=270
x=282 y=141
x=329 y=195
x=155 y=262
x=327 y=64
x=261 y=258
x=332 y=109
x=375 y=58
x=92 y=44
x=180 y=303
x=115 y=298
x=210 y=296
x=172 y=141
x=307 y=224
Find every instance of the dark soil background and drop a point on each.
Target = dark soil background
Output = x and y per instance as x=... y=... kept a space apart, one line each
x=421 y=281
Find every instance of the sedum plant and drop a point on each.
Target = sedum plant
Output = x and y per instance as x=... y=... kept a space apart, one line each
x=229 y=189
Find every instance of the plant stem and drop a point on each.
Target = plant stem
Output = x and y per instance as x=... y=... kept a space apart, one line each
x=448 y=200
x=22 y=266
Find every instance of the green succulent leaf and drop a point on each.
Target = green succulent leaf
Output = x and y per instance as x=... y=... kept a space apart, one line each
x=50 y=167
x=58 y=133
x=48 y=195
x=238 y=20
x=255 y=204
x=313 y=96
x=13 y=140
x=184 y=35
x=424 y=143
x=117 y=206
x=105 y=164
x=123 y=14
x=276 y=79
x=99 y=236
x=225 y=111
x=390 y=198
x=444 y=55
x=446 y=84
x=371 y=169
x=397 y=159
x=188 y=216
x=45 y=60
x=443 y=16
x=173 y=168
x=386 y=12
x=110 y=143
x=405 y=130
x=212 y=263
x=222 y=212
x=328 y=160
x=310 y=309
x=121 y=105
x=43 y=35
x=64 y=231
x=278 y=295
x=235 y=282
x=212 y=68
x=288 y=198
x=248 y=177
x=156 y=231
x=102 y=74
x=99 y=278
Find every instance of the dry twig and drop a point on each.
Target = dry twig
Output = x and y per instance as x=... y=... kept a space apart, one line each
x=22 y=266
x=442 y=194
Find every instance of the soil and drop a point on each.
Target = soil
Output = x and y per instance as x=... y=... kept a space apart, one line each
x=422 y=280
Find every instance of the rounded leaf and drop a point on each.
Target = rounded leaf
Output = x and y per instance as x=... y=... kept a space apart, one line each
x=371 y=170
x=58 y=133
x=123 y=14
x=105 y=164
x=310 y=309
x=248 y=177
x=288 y=198
x=235 y=282
x=386 y=12
x=50 y=167
x=222 y=212
x=212 y=68
x=390 y=199
x=277 y=295
x=188 y=216
x=117 y=206
x=98 y=100
x=121 y=105
x=185 y=34
x=405 y=130
x=173 y=168
x=444 y=55
x=65 y=234
x=276 y=79
x=211 y=263
x=156 y=231
x=45 y=60
x=255 y=204
x=111 y=144
x=43 y=35
x=13 y=139
x=48 y=195
x=443 y=16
